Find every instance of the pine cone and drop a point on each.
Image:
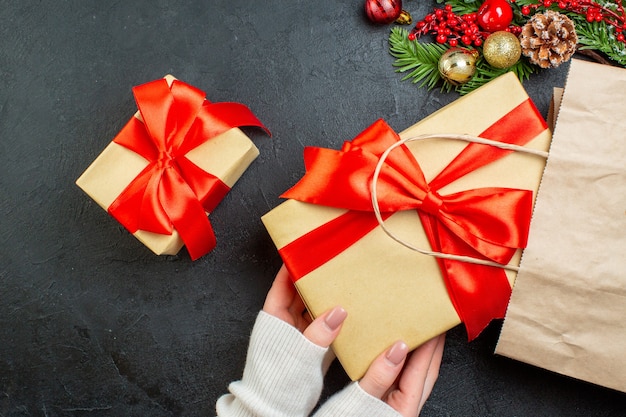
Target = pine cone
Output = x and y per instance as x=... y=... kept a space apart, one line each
x=548 y=39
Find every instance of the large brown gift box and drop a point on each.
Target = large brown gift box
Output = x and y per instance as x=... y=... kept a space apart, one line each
x=567 y=312
x=224 y=156
x=392 y=292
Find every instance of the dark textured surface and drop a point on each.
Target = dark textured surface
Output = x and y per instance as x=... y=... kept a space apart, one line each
x=91 y=322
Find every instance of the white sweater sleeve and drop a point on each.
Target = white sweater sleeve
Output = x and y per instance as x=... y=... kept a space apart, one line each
x=352 y=401
x=283 y=376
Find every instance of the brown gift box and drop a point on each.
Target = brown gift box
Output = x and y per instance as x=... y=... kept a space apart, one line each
x=567 y=312
x=389 y=291
x=226 y=156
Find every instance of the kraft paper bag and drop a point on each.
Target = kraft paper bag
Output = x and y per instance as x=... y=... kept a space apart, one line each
x=567 y=312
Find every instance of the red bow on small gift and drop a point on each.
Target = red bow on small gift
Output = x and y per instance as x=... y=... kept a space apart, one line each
x=172 y=192
x=487 y=223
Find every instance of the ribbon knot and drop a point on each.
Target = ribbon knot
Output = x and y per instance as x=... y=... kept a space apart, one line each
x=432 y=203
x=164 y=160
x=172 y=193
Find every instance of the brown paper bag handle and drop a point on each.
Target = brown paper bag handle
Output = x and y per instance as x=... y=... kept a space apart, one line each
x=462 y=137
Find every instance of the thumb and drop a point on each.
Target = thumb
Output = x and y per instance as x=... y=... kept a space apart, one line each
x=323 y=330
x=383 y=372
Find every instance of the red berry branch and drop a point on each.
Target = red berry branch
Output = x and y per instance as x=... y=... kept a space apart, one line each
x=593 y=12
x=450 y=28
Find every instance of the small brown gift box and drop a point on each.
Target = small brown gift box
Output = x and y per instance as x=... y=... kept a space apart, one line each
x=225 y=156
x=389 y=291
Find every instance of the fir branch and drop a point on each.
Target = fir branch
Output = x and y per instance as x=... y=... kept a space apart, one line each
x=485 y=73
x=597 y=36
x=419 y=60
x=521 y=3
x=421 y=63
x=463 y=6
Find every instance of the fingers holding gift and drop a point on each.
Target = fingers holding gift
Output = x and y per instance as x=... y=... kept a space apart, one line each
x=284 y=302
x=323 y=330
x=383 y=372
x=418 y=378
x=405 y=381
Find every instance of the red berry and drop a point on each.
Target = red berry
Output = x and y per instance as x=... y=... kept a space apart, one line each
x=441 y=38
x=495 y=15
x=383 y=11
x=455 y=42
x=525 y=10
x=412 y=36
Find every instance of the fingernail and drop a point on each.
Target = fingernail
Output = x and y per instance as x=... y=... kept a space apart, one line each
x=336 y=316
x=397 y=353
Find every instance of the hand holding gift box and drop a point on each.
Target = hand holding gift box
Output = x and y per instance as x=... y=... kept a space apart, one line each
x=472 y=200
x=171 y=164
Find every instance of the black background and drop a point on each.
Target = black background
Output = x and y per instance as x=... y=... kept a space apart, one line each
x=91 y=322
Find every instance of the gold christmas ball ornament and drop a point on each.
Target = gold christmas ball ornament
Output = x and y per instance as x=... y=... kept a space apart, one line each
x=502 y=49
x=458 y=65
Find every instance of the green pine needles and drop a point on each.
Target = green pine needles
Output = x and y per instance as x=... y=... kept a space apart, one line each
x=420 y=62
x=597 y=37
x=485 y=73
x=463 y=6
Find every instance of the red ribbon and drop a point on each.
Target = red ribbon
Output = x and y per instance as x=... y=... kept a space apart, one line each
x=487 y=223
x=171 y=192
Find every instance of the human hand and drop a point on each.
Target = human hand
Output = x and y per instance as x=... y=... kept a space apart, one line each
x=284 y=302
x=405 y=381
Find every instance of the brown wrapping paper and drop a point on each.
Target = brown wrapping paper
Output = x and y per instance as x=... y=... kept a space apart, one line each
x=226 y=156
x=555 y=104
x=568 y=308
x=389 y=291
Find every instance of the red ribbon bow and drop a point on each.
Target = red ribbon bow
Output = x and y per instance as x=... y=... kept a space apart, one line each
x=487 y=223
x=171 y=192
